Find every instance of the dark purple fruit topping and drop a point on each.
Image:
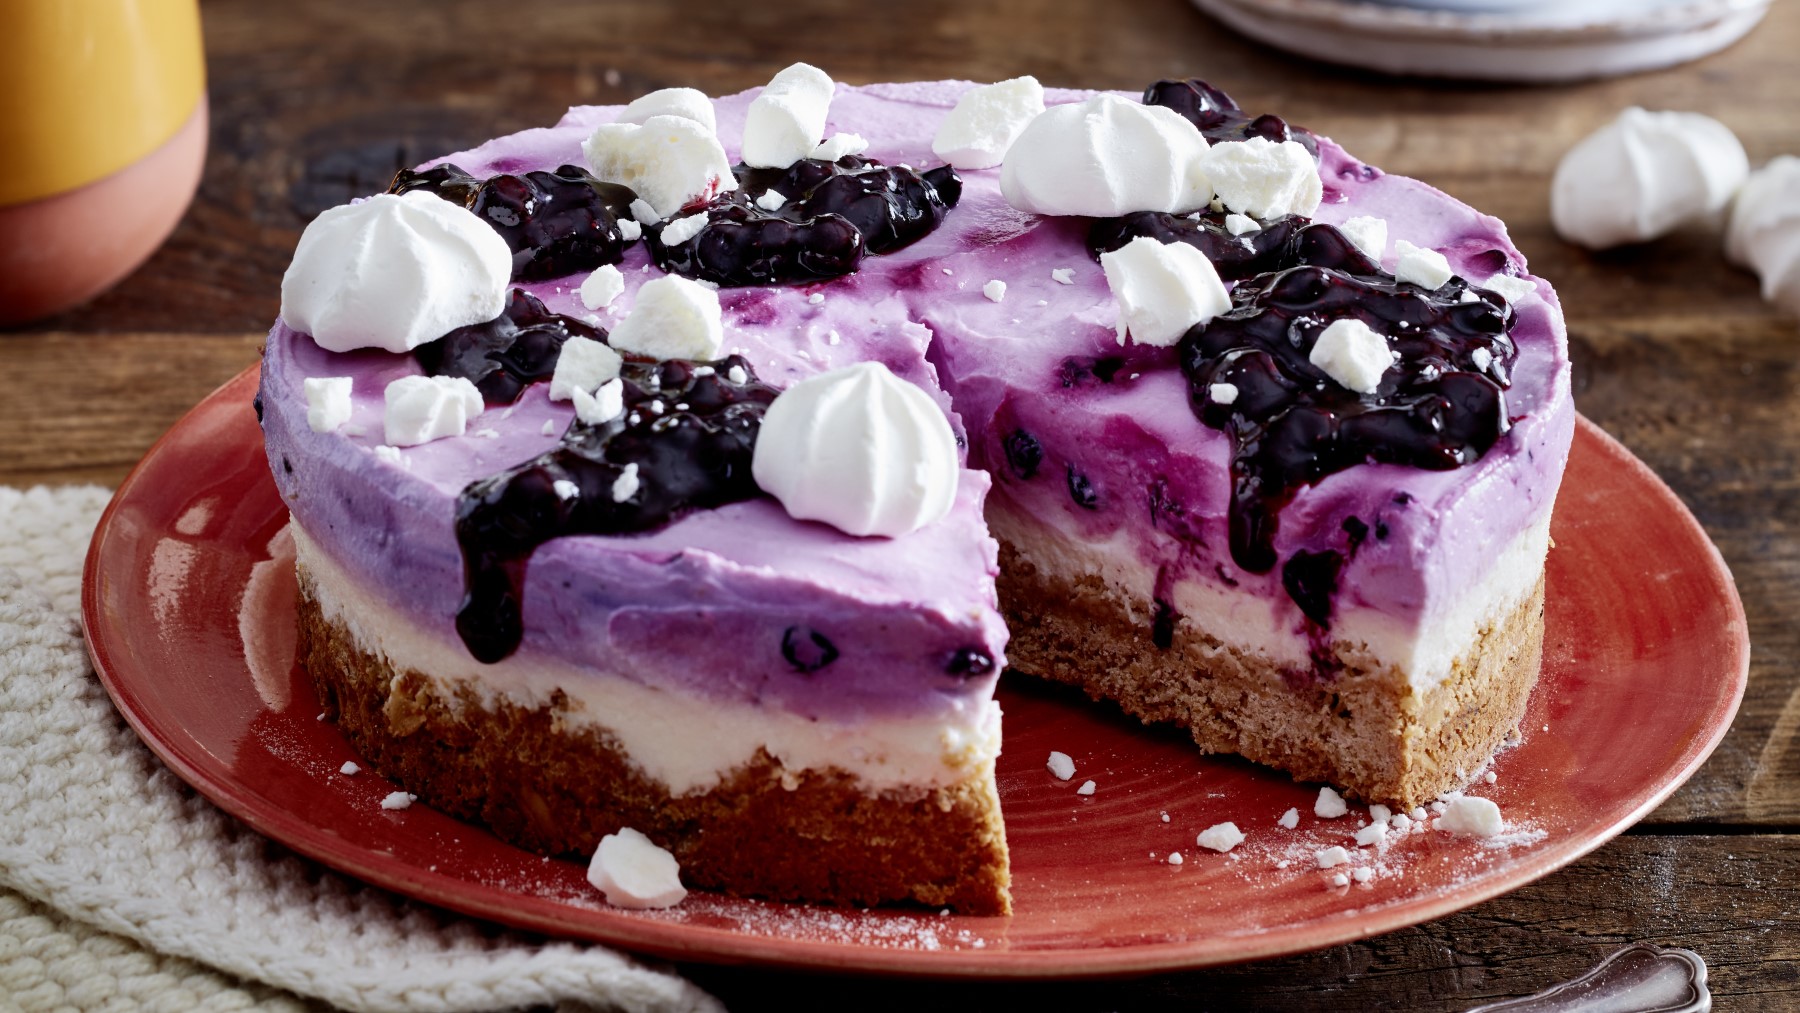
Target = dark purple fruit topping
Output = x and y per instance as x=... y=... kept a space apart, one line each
x=1219 y=117
x=1284 y=242
x=1441 y=406
x=807 y=649
x=557 y=223
x=688 y=430
x=835 y=213
x=1076 y=371
x=1162 y=625
x=505 y=355
x=1311 y=580
x=1082 y=490
x=1023 y=454
x=970 y=663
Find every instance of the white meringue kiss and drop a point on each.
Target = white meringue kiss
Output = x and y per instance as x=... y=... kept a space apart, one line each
x=393 y=272
x=1764 y=234
x=1105 y=157
x=859 y=449
x=1644 y=175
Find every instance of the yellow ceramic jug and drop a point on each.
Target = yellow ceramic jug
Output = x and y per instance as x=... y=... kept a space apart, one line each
x=102 y=135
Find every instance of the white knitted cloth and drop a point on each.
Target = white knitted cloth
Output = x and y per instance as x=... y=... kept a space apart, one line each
x=120 y=887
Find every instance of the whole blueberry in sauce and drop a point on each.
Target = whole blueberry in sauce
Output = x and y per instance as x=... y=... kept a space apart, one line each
x=1281 y=243
x=1219 y=117
x=556 y=223
x=807 y=649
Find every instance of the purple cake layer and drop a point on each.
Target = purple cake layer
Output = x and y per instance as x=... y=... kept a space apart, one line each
x=704 y=603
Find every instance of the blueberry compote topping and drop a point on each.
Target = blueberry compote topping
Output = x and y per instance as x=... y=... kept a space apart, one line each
x=1442 y=405
x=834 y=214
x=557 y=223
x=505 y=355
x=683 y=443
x=1220 y=118
x=1283 y=242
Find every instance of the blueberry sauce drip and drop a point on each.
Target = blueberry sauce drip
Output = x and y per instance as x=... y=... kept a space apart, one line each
x=556 y=223
x=1441 y=406
x=686 y=436
x=835 y=213
x=505 y=355
x=1311 y=580
x=1162 y=625
x=1219 y=117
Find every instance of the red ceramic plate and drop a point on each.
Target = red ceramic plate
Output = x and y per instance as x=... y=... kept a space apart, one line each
x=1645 y=662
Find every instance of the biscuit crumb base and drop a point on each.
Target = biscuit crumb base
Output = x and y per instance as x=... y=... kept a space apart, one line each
x=556 y=789
x=1364 y=731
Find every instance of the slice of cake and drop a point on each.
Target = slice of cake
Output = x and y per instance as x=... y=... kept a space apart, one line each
x=1252 y=468
x=1346 y=585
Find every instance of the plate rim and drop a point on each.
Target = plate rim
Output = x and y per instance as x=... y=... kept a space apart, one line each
x=714 y=945
x=1468 y=26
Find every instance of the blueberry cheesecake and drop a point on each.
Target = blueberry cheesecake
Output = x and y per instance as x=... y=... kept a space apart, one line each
x=687 y=466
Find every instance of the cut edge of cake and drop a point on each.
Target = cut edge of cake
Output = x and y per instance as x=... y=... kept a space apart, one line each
x=550 y=774
x=1401 y=720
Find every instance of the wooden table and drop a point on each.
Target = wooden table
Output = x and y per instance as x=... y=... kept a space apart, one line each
x=314 y=103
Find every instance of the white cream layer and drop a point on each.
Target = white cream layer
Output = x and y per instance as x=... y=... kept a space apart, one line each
x=1425 y=649
x=686 y=743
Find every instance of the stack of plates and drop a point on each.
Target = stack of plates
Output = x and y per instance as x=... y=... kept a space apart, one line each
x=1499 y=40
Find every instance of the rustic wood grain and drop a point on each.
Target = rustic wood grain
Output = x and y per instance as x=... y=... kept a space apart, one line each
x=1734 y=900
x=1674 y=354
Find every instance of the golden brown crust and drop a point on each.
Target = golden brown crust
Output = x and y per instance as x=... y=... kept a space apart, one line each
x=1364 y=731
x=557 y=789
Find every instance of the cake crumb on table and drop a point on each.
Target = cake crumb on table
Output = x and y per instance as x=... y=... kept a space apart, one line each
x=1363 y=875
x=1087 y=788
x=1340 y=880
x=1290 y=819
x=1334 y=855
x=349 y=769
x=1175 y=858
x=397 y=800
x=1061 y=765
